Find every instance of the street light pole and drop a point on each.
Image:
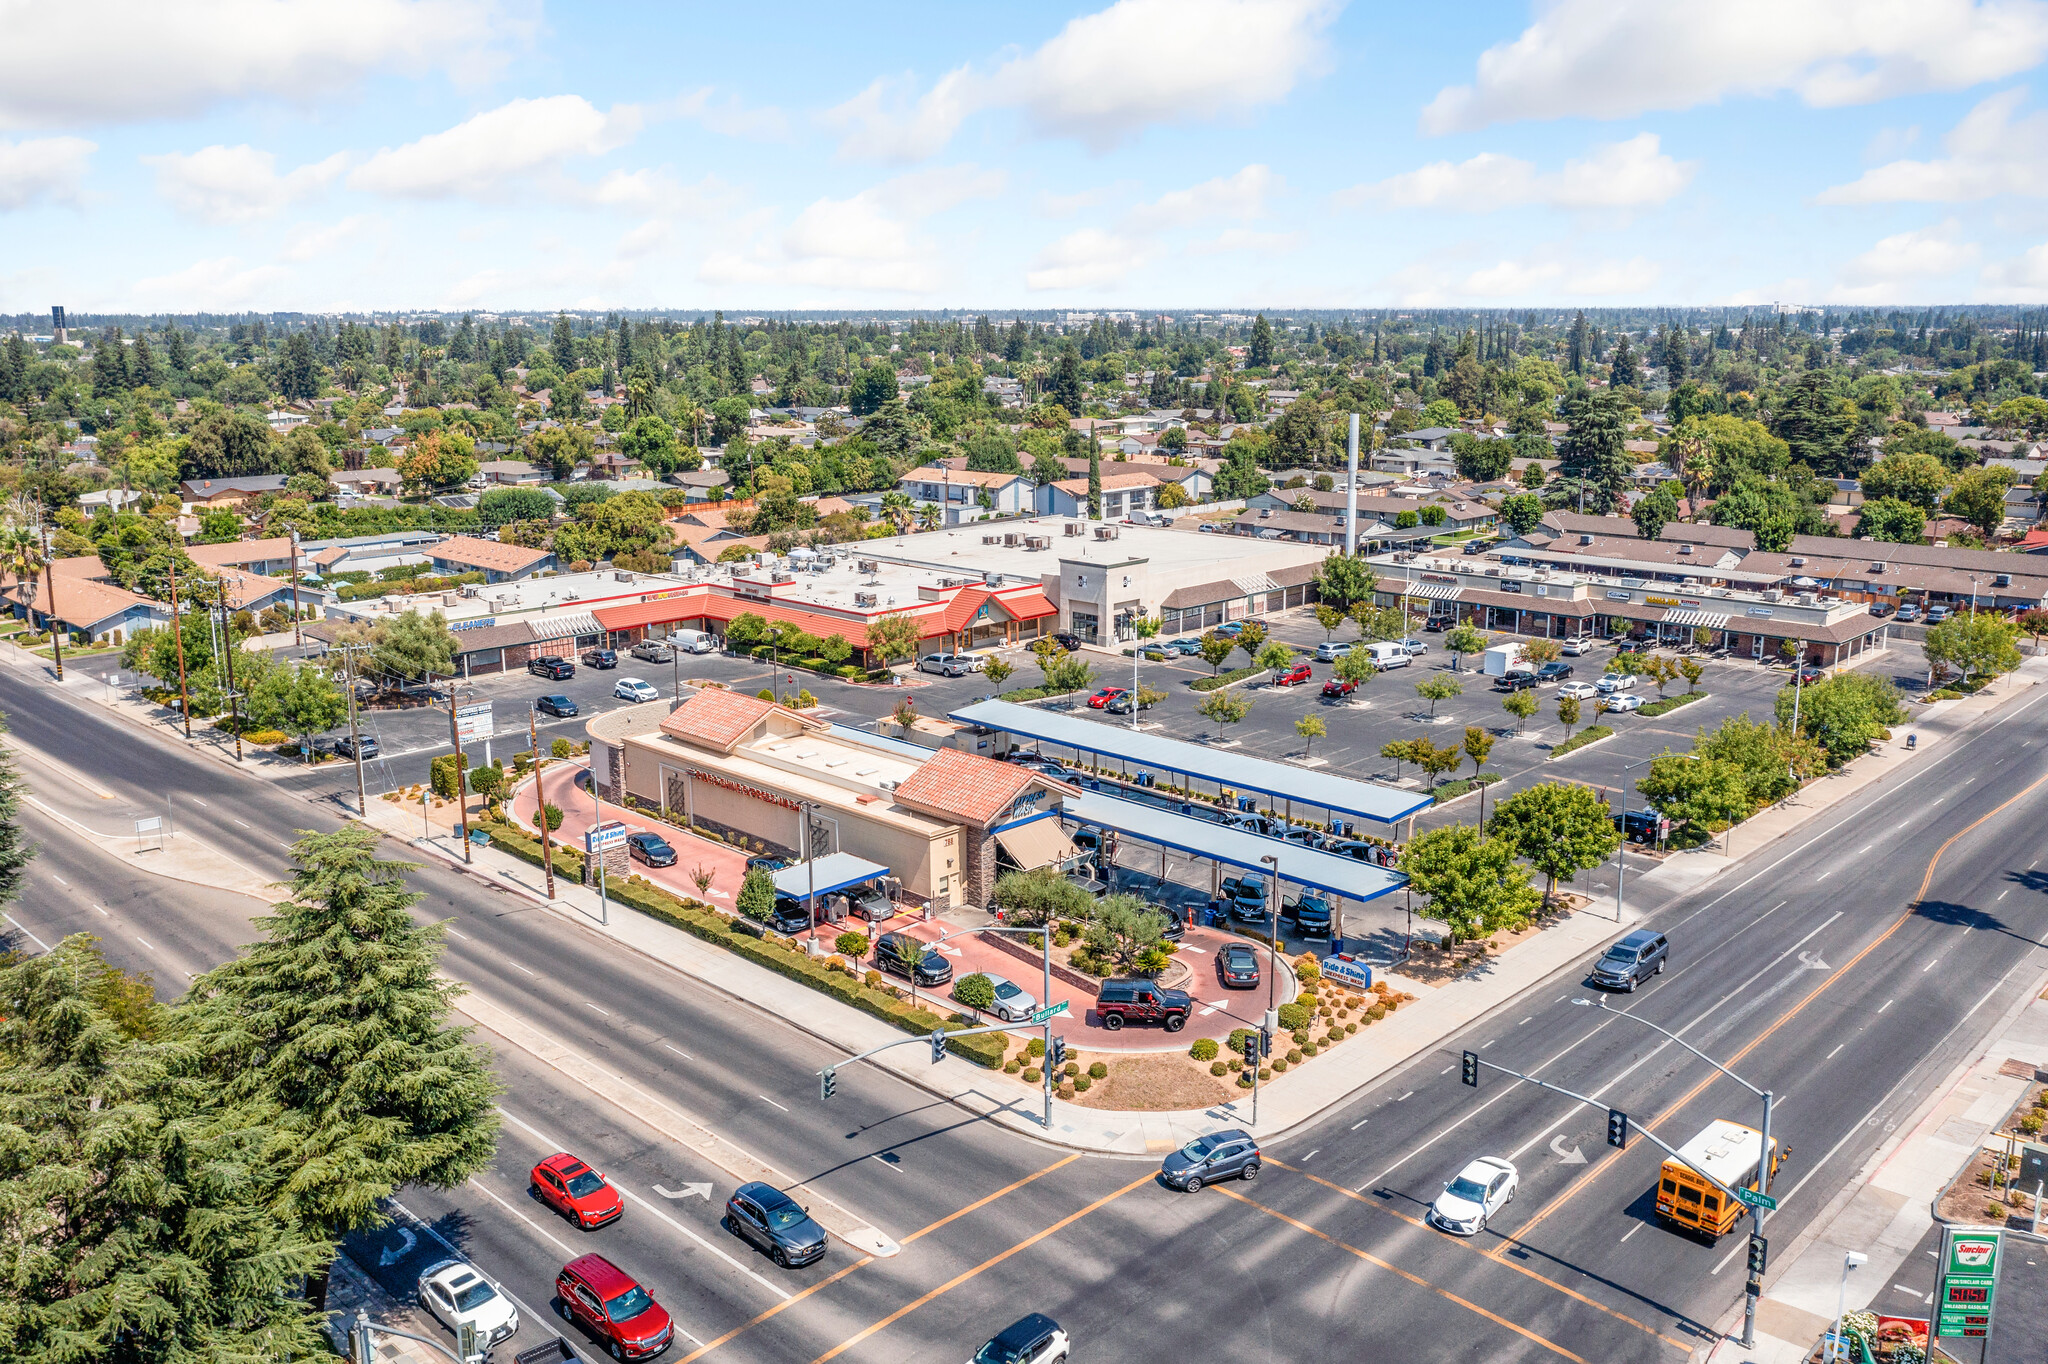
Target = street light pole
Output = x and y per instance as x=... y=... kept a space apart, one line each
x=1044 y=1000
x=1621 y=853
x=1272 y=938
x=1855 y=1259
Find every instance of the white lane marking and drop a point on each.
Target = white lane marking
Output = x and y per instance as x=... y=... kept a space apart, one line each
x=1865 y=848
x=246 y=826
x=1310 y=1156
x=144 y=941
x=1822 y=877
x=537 y=1227
x=546 y=1140
x=1525 y=1020
x=1929 y=966
x=459 y=934
x=517 y=967
x=111 y=916
x=1632 y=1231
x=1903 y=823
x=198 y=802
x=1448 y=1069
x=766 y=1100
x=1360 y=1123
x=896 y=1165
x=1886 y=1005
x=685 y=1055
x=24 y=928
x=1831 y=1055
x=60 y=880
x=2003 y=893
x=1405 y=1097
x=606 y=1012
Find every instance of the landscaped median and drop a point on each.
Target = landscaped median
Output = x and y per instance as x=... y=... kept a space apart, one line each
x=1591 y=734
x=1666 y=705
x=781 y=956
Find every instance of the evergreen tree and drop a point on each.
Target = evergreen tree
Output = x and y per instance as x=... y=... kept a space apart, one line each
x=1095 y=480
x=1261 y=353
x=1593 y=450
x=1064 y=387
x=1623 y=369
x=338 y=1020
x=177 y=351
x=563 y=344
x=1674 y=356
x=1577 y=347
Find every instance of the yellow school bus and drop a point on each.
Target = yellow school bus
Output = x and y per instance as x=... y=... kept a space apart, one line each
x=1726 y=1150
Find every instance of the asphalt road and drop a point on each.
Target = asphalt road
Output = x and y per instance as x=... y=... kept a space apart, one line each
x=1810 y=970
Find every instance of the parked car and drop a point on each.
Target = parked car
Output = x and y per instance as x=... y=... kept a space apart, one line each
x=788 y=916
x=1229 y=1154
x=871 y=902
x=942 y=664
x=1436 y=625
x=1070 y=642
x=456 y=1292
x=1330 y=650
x=1121 y=703
x=1011 y=1004
x=766 y=1217
x=1614 y=682
x=1142 y=1001
x=1415 y=647
x=1521 y=679
x=554 y=669
x=1187 y=647
x=1908 y=613
x=612 y=1306
x=1555 y=671
x=650 y=848
x=1247 y=897
x=1622 y=703
x=1577 y=645
x=1481 y=1189
x=1103 y=696
x=653 y=651
x=1294 y=676
x=556 y=705
x=1632 y=961
x=1881 y=609
x=1579 y=691
x=768 y=863
x=1810 y=674
x=365 y=747
x=1646 y=825
x=1035 y=1339
x=1309 y=915
x=569 y=1186
x=1237 y=966
x=1937 y=614
x=635 y=689
x=899 y=954
x=1306 y=838
x=600 y=658
x=1336 y=689
x=1630 y=644
x=1230 y=629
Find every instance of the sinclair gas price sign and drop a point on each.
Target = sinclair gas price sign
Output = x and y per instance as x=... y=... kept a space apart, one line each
x=1969 y=1281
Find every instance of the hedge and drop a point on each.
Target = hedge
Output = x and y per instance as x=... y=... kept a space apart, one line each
x=702 y=921
x=1025 y=694
x=1451 y=790
x=1581 y=739
x=1224 y=679
x=1670 y=703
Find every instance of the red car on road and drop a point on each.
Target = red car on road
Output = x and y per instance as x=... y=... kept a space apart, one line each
x=1300 y=672
x=568 y=1185
x=1105 y=696
x=1336 y=689
x=605 y=1301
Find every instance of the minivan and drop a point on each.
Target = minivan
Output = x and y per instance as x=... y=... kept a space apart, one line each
x=899 y=954
x=1388 y=654
x=692 y=641
x=1632 y=961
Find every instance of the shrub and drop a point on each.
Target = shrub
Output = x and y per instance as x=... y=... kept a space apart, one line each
x=853 y=945
x=1294 y=1016
x=1244 y=1080
x=1265 y=1072
x=560 y=748
x=1279 y=1065
x=1300 y=1035
x=1237 y=1037
x=1219 y=1069
x=1012 y=1066
x=2030 y=1124
x=1394 y=1001
x=1204 y=1049
x=1376 y=1012
x=1350 y=1028
x=1032 y=1075
x=1294 y=1055
x=1037 y=1047
x=1306 y=969
x=1065 y=1091
x=1309 y=1049
x=266 y=736
x=1082 y=1084
x=976 y=991
x=1071 y=1069
x=1098 y=1071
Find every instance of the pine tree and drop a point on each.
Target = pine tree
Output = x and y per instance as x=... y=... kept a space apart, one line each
x=1094 y=480
x=1261 y=354
x=337 y=1018
x=178 y=353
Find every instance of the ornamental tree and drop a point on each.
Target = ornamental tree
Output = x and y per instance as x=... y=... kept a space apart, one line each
x=1475 y=886
x=1559 y=828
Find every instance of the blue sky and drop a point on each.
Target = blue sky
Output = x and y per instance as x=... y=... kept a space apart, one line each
x=296 y=154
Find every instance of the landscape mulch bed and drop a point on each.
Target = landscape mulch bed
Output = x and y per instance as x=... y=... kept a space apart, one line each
x=1433 y=966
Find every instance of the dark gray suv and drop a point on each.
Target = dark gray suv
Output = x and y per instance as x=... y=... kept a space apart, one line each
x=1220 y=1155
x=769 y=1218
x=1632 y=961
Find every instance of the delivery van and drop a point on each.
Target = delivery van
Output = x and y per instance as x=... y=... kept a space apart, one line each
x=691 y=641
x=1388 y=654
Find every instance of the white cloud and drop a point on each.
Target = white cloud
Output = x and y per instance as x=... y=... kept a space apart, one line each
x=1542 y=277
x=2027 y=276
x=42 y=168
x=1107 y=76
x=644 y=240
x=1631 y=174
x=1889 y=270
x=222 y=283
x=1990 y=152
x=479 y=157
x=1242 y=195
x=1620 y=58
x=730 y=118
x=236 y=184
x=311 y=241
x=102 y=61
x=1244 y=239
x=1088 y=259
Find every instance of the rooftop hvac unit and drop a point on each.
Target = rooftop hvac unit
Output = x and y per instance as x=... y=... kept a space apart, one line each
x=2002 y=580
x=622 y=577
x=467 y=589
x=1011 y=540
x=1798 y=562
x=1685 y=549
x=863 y=599
x=993 y=579
x=1076 y=528
x=782 y=575
x=866 y=565
x=1878 y=566
x=1719 y=592
x=991 y=539
x=1585 y=539
x=1105 y=532
x=1773 y=594
x=1806 y=598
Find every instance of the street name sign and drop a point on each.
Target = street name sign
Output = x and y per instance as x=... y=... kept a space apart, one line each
x=1751 y=1198
x=1046 y=1014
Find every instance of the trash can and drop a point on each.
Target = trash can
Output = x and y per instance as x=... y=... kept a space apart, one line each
x=1144 y=779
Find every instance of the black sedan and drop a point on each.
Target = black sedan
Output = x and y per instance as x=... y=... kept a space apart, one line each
x=650 y=848
x=556 y=705
x=1557 y=670
x=1238 y=965
x=770 y=1219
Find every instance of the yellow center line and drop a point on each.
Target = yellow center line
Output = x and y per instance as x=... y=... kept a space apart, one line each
x=744 y=1327
x=1468 y=1246
x=1919 y=896
x=1415 y=1279
x=949 y=1285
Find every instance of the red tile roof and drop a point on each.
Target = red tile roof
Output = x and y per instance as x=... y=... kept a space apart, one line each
x=717 y=718
x=964 y=786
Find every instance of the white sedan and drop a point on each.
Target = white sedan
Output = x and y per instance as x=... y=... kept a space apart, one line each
x=1614 y=682
x=635 y=689
x=1011 y=1002
x=1621 y=703
x=1579 y=691
x=456 y=1293
x=1481 y=1189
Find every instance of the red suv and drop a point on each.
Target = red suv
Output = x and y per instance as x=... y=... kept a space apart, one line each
x=605 y=1301
x=568 y=1185
x=1300 y=672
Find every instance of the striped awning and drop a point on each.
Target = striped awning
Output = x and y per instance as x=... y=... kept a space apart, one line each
x=1435 y=591
x=566 y=627
x=1708 y=619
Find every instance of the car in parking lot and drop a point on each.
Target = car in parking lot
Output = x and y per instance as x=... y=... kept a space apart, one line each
x=1118 y=1002
x=1103 y=696
x=1294 y=676
x=556 y=705
x=1246 y=896
x=1578 y=691
x=1330 y=650
x=1810 y=674
x=572 y=1187
x=1881 y=609
x=1011 y=1003
x=871 y=902
x=458 y=1294
x=363 y=747
x=1614 y=682
x=1482 y=1188
x=1415 y=647
x=1121 y=703
x=1034 y=1339
x=610 y=1304
x=650 y=848
x=1577 y=645
x=600 y=658
x=1336 y=689
x=1557 y=670
x=1519 y=679
x=1302 y=837
x=899 y=954
x=553 y=668
x=1068 y=641
x=788 y=917
x=1937 y=614
x=1632 y=960
x=1308 y=915
x=767 y=862
x=653 y=651
x=945 y=665
x=1230 y=1154
x=1631 y=645
x=1186 y=647
x=1908 y=613
x=766 y=1217
x=635 y=689
x=1237 y=966
x=1230 y=629
x=1621 y=703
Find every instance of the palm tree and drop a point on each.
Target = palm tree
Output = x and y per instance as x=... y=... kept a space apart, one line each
x=896 y=509
x=21 y=553
x=928 y=516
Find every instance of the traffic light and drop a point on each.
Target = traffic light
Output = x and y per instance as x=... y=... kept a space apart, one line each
x=1265 y=1041
x=1759 y=1250
x=1251 y=1048
x=1056 y=1055
x=1468 y=1069
x=938 y=1041
x=828 y=1081
x=1617 y=1129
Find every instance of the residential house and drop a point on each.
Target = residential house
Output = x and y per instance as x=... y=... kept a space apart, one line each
x=228 y=492
x=1123 y=495
x=496 y=560
x=368 y=553
x=283 y=422
x=271 y=557
x=120 y=499
x=1460 y=513
x=958 y=492
x=366 y=482
x=87 y=602
x=509 y=473
x=702 y=485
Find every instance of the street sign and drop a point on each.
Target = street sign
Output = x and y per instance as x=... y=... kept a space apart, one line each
x=1043 y=1015
x=605 y=837
x=1752 y=1199
x=473 y=722
x=1967 y=1291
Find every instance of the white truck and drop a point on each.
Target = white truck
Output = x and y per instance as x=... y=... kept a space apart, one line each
x=1503 y=659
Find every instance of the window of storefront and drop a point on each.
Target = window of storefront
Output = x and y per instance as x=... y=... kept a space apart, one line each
x=1086 y=626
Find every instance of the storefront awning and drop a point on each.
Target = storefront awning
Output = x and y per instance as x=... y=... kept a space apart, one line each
x=1041 y=843
x=832 y=872
x=1434 y=591
x=1708 y=619
x=566 y=627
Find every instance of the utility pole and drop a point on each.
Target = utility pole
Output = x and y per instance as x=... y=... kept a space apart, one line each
x=461 y=783
x=540 y=798
x=355 y=738
x=178 y=635
x=227 y=631
x=50 y=586
x=298 y=635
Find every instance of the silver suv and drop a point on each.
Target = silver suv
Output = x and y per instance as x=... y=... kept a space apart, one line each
x=1632 y=961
